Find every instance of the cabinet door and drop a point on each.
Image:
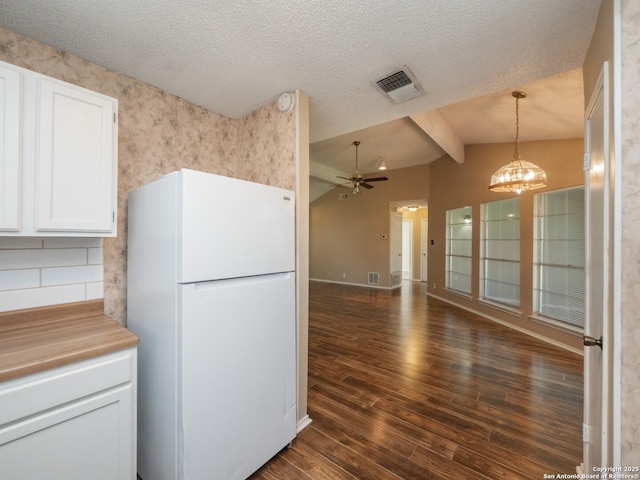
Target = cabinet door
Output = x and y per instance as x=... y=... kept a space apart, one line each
x=76 y=175
x=88 y=439
x=10 y=120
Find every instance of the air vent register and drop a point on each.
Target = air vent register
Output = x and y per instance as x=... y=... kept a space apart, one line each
x=399 y=86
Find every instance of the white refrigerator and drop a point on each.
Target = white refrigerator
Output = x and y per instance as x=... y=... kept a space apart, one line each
x=211 y=294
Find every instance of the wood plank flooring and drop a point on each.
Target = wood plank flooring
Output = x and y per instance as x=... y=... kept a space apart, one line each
x=405 y=386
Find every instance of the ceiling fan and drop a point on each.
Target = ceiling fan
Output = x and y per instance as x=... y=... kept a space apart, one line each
x=358 y=180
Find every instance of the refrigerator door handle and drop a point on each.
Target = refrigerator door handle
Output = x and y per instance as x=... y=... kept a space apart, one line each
x=202 y=287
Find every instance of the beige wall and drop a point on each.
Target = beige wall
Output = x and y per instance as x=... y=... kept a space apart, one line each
x=456 y=185
x=160 y=133
x=346 y=235
x=600 y=50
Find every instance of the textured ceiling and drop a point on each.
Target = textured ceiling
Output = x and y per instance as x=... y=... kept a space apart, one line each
x=233 y=56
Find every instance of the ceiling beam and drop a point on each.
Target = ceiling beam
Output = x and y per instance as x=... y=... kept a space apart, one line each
x=440 y=132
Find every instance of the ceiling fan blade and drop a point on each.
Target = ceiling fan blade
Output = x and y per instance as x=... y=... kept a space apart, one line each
x=345 y=178
x=375 y=179
x=363 y=184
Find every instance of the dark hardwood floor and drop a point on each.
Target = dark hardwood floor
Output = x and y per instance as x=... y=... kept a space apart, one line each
x=405 y=386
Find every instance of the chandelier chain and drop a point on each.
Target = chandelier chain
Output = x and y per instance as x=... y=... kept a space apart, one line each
x=516 y=151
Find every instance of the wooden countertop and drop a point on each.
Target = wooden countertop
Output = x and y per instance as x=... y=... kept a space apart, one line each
x=41 y=338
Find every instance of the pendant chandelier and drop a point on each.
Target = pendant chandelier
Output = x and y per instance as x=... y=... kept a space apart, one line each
x=518 y=175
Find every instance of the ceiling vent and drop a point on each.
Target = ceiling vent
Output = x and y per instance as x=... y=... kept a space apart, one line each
x=400 y=86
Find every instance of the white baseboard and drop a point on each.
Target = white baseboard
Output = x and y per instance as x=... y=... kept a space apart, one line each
x=353 y=284
x=511 y=325
x=303 y=423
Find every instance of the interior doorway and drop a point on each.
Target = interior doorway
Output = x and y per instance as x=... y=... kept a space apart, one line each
x=395 y=249
x=424 y=249
x=407 y=249
x=409 y=262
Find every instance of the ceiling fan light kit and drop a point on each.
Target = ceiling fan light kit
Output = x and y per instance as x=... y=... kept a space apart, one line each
x=518 y=175
x=358 y=180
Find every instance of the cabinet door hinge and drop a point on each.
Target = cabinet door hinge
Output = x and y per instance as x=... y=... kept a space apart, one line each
x=586 y=166
x=113 y=216
x=115 y=117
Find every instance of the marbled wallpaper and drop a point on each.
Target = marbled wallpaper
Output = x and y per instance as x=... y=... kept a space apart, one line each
x=160 y=133
x=630 y=388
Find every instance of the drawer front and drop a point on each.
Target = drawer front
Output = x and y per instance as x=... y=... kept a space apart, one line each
x=36 y=393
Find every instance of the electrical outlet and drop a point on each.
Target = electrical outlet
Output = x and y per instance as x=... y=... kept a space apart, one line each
x=434 y=284
x=344 y=275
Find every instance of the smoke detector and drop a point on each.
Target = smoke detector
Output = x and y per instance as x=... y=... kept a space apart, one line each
x=399 y=86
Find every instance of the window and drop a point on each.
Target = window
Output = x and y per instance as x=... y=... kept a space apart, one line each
x=558 y=283
x=500 y=252
x=458 y=251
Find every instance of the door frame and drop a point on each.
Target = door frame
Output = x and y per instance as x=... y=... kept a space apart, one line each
x=612 y=341
x=597 y=249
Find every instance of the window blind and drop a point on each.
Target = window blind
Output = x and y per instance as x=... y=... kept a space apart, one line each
x=458 y=250
x=500 y=252
x=559 y=255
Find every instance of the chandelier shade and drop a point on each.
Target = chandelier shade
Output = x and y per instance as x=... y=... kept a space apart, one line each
x=518 y=175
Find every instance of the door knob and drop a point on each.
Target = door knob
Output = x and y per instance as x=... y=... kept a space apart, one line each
x=591 y=341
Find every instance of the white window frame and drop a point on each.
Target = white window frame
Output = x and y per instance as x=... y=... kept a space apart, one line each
x=458 y=254
x=558 y=258
x=500 y=253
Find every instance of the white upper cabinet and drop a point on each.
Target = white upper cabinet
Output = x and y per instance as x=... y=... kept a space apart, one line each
x=66 y=161
x=10 y=95
x=75 y=159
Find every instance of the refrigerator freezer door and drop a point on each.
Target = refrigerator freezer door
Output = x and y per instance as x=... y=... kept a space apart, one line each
x=233 y=228
x=238 y=369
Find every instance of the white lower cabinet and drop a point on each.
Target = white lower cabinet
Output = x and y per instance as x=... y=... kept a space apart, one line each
x=75 y=422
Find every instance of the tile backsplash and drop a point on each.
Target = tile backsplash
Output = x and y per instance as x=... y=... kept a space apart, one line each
x=48 y=271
